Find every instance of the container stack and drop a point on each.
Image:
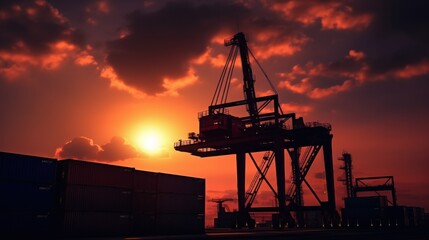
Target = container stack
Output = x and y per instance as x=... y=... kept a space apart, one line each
x=94 y=199
x=180 y=204
x=27 y=186
x=71 y=198
x=168 y=204
x=364 y=211
x=144 y=202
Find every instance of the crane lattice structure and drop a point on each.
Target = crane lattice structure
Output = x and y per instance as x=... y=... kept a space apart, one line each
x=348 y=177
x=267 y=129
x=366 y=184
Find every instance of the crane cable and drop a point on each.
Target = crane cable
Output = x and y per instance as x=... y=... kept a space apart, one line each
x=266 y=76
x=221 y=82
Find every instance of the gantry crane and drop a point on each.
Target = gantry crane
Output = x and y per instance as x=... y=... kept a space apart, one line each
x=264 y=128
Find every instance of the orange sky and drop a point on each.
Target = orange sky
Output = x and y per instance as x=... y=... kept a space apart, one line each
x=88 y=79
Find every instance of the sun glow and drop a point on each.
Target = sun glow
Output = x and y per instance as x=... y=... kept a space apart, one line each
x=150 y=141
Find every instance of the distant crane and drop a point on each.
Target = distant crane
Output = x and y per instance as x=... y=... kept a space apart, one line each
x=220 y=201
x=267 y=129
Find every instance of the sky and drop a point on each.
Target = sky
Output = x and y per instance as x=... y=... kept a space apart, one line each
x=119 y=82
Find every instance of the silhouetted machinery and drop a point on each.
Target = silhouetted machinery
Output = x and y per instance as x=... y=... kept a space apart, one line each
x=224 y=219
x=371 y=208
x=265 y=128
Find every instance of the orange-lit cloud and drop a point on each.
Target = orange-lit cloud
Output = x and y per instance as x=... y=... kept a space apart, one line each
x=324 y=92
x=302 y=87
x=353 y=70
x=300 y=110
x=83 y=148
x=286 y=48
x=45 y=39
x=331 y=14
x=109 y=73
x=408 y=71
x=173 y=85
x=273 y=42
x=147 y=55
x=84 y=58
x=216 y=61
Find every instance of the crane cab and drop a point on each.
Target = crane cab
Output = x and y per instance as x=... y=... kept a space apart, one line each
x=219 y=126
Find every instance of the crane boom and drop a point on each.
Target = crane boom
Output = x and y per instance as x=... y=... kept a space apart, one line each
x=248 y=86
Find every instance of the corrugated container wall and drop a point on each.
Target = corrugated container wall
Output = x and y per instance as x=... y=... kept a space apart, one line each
x=27 y=204
x=96 y=224
x=168 y=204
x=23 y=168
x=168 y=183
x=95 y=199
x=366 y=202
x=92 y=199
x=95 y=174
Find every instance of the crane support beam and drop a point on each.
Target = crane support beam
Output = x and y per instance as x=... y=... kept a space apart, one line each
x=241 y=180
x=248 y=87
x=329 y=172
x=280 y=176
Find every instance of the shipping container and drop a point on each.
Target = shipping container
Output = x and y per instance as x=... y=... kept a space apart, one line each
x=174 y=203
x=144 y=224
x=144 y=203
x=415 y=216
x=366 y=202
x=23 y=168
x=32 y=224
x=95 y=174
x=95 y=224
x=168 y=183
x=95 y=198
x=314 y=218
x=396 y=216
x=180 y=223
x=18 y=196
x=363 y=217
x=145 y=181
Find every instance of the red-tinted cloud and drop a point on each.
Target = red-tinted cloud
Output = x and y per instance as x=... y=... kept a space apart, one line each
x=322 y=80
x=33 y=33
x=160 y=46
x=331 y=14
x=275 y=41
x=83 y=148
x=299 y=109
x=149 y=58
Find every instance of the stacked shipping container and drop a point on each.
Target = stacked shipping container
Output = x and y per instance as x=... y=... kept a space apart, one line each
x=27 y=186
x=180 y=204
x=168 y=204
x=95 y=199
x=374 y=212
x=144 y=203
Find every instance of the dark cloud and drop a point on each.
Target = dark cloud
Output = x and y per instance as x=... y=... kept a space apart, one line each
x=397 y=36
x=84 y=148
x=33 y=33
x=161 y=44
x=328 y=14
x=79 y=148
x=32 y=27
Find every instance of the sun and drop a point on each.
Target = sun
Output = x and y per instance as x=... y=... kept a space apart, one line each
x=150 y=141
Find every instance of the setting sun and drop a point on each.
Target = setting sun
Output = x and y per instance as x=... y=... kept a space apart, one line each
x=149 y=141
